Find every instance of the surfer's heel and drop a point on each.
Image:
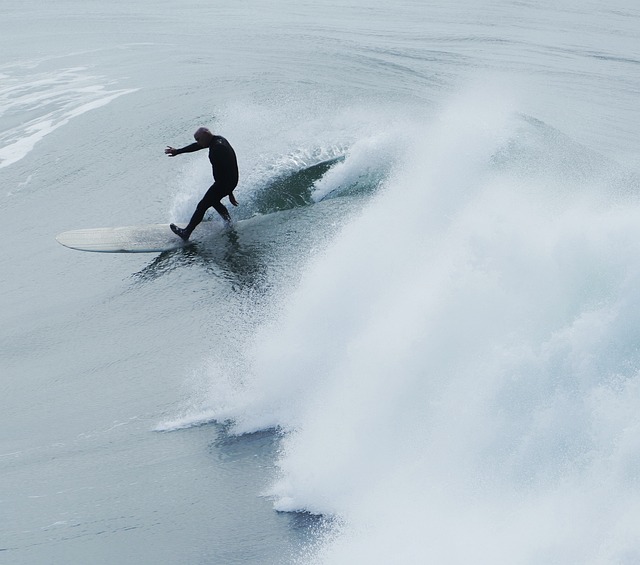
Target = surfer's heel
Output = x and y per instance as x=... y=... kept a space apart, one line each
x=179 y=232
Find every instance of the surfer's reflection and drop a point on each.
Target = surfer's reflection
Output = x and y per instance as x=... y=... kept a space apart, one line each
x=222 y=255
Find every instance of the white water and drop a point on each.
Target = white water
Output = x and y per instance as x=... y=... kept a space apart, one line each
x=457 y=374
x=36 y=103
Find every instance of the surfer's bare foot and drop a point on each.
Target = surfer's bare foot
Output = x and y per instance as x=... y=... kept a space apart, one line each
x=179 y=232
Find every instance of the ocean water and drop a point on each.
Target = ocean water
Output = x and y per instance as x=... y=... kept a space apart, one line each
x=420 y=342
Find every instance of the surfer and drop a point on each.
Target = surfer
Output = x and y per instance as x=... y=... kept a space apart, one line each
x=225 y=176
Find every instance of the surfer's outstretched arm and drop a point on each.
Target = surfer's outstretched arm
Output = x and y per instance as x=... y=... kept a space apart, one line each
x=172 y=151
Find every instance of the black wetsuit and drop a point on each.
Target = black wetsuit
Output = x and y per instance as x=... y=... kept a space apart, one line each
x=225 y=176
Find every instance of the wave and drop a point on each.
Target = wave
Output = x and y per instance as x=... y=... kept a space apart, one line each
x=296 y=179
x=457 y=374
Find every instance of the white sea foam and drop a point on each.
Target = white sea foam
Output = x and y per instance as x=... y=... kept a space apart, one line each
x=458 y=373
x=188 y=421
x=38 y=103
x=364 y=162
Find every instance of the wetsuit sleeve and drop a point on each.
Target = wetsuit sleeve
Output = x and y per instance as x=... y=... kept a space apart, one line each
x=189 y=149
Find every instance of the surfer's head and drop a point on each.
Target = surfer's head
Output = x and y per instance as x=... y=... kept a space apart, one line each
x=203 y=137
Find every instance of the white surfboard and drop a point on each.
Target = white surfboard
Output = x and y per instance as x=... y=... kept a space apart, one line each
x=153 y=238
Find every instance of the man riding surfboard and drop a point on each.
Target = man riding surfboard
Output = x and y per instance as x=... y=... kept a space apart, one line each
x=225 y=175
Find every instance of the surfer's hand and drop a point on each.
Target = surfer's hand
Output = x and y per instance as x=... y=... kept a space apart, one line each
x=171 y=151
x=233 y=200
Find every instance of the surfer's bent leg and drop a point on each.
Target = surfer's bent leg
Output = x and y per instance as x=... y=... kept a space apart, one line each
x=222 y=210
x=212 y=200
